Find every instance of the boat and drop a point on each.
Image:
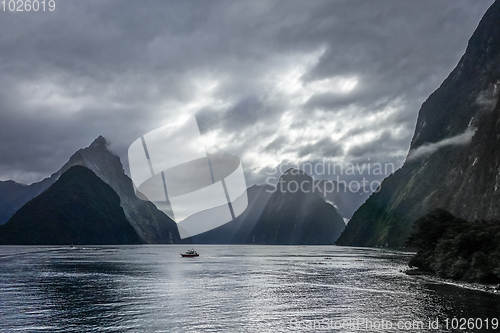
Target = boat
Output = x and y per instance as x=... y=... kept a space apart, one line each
x=190 y=253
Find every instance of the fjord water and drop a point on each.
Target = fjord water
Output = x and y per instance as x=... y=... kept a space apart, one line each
x=226 y=289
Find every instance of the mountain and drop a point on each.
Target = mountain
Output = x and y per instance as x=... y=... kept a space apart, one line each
x=295 y=214
x=454 y=158
x=152 y=225
x=237 y=231
x=79 y=208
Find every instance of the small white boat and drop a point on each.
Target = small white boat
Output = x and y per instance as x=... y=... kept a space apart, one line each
x=190 y=253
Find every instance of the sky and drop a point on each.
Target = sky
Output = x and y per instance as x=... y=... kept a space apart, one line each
x=276 y=83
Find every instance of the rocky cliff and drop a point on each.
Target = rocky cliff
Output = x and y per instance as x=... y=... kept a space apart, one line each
x=454 y=159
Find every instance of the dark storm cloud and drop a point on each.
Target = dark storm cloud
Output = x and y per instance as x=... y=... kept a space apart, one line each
x=245 y=112
x=207 y=119
x=275 y=145
x=324 y=147
x=247 y=69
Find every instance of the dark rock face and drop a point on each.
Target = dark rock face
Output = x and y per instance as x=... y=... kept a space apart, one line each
x=295 y=214
x=461 y=176
x=152 y=225
x=79 y=208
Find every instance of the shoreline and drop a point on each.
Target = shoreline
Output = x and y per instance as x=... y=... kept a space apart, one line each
x=489 y=288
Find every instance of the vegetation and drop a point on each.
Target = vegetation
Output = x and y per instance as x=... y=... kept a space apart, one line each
x=454 y=248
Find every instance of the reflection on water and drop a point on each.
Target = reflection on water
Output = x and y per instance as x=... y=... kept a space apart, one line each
x=226 y=289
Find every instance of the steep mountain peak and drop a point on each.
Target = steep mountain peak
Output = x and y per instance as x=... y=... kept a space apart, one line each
x=484 y=42
x=293 y=173
x=469 y=91
x=95 y=154
x=295 y=180
x=99 y=142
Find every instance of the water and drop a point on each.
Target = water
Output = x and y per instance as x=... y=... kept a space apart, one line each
x=226 y=289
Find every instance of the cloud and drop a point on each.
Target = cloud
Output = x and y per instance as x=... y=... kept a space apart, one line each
x=268 y=81
x=488 y=99
x=324 y=147
x=383 y=143
x=427 y=149
x=276 y=145
x=245 y=112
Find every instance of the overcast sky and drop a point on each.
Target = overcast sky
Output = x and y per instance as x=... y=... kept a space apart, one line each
x=272 y=82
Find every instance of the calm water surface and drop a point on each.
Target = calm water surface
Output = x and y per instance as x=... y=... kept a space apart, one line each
x=226 y=289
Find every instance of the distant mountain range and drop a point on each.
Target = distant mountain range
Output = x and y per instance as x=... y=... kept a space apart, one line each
x=152 y=225
x=289 y=218
x=454 y=159
x=281 y=215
